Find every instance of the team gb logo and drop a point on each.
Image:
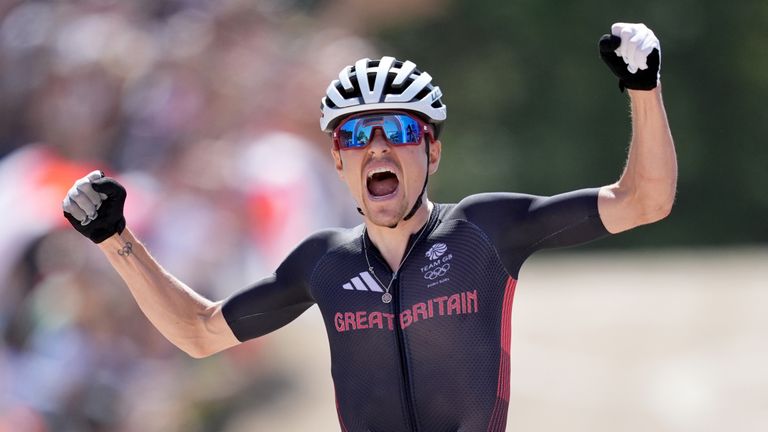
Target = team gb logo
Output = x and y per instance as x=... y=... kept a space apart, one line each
x=436 y=251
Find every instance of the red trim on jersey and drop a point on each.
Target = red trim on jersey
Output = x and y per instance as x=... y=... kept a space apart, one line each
x=499 y=414
x=338 y=411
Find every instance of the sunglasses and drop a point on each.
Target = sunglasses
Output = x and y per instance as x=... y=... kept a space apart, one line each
x=398 y=128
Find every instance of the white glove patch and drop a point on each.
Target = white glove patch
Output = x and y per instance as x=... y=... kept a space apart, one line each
x=82 y=201
x=637 y=41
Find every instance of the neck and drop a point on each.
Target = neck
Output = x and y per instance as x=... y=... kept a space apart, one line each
x=391 y=242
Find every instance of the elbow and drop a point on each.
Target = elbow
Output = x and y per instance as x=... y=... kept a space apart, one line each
x=665 y=211
x=197 y=342
x=207 y=336
x=654 y=212
x=197 y=350
x=197 y=355
x=657 y=216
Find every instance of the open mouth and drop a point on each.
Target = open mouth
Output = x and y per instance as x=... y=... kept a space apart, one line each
x=382 y=182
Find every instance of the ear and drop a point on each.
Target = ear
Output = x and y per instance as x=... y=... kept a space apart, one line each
x=435 y=150
x=336 y=153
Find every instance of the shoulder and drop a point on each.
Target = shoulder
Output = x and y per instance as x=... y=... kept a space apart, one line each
x=483 y=205
x=495 y=198
x=325 y=240
x=302 y=261
x=510 y=203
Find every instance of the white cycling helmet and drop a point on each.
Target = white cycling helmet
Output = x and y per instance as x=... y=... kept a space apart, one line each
x=381 y=84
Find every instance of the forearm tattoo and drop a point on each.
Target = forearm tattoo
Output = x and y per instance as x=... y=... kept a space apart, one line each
x=126 y=250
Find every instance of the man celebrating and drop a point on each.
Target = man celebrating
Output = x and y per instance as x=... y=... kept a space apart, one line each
x=416 y=300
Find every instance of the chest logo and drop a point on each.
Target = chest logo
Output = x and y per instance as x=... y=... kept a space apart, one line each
x=436 y=251
x=436 y=270
x=363 y=282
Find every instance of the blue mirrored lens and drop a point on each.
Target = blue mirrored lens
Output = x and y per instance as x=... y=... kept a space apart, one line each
x=397 y=128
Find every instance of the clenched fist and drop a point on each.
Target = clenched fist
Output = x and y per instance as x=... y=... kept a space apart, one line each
x=94 y=206
x=633 y=53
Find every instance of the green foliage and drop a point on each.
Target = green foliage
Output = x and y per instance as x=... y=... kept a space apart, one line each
x=533 y=109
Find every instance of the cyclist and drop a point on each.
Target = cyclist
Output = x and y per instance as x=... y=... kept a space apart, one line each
x=416 y=300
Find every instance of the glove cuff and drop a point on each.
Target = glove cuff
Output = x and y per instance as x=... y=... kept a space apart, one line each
x=637 y=86
x=99 y=236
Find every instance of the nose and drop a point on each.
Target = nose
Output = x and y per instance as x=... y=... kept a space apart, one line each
x=379 y=143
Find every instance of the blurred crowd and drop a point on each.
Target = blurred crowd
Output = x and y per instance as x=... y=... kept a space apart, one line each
x=207 y=111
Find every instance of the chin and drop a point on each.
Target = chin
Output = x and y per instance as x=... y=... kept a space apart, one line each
x=388 y=221
x=385 y=217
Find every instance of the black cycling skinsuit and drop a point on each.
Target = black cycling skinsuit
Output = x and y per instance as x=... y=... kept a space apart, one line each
x=437 y=357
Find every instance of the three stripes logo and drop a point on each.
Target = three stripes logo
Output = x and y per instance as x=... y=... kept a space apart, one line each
x=363 y=282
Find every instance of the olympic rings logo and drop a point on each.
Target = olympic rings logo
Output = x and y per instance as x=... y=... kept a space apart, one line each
x=436 y=273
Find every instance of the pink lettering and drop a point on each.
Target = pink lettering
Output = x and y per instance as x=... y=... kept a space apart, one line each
x=405 y=319
x=338 y=321
x=389 y=318
x=349 y=320
x=454 y=305
x=362 y=320
x=374 y=319
x=457 y=304
x=440 y=301
x=472 y=301
x=419 y=309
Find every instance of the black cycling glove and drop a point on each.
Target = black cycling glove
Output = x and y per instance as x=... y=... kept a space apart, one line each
x=94 y=207
x=642 y=79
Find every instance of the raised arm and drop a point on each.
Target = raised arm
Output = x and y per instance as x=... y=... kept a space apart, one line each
x=646 y=190
x=188 y=320
x=196 y=325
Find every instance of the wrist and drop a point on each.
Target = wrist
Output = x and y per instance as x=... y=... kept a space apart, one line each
x=120 y=243
x=645 y=94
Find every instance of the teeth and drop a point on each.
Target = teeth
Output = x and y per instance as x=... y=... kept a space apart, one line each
x=378 y=170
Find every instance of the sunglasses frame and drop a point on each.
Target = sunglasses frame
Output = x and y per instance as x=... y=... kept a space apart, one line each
x=424 y=129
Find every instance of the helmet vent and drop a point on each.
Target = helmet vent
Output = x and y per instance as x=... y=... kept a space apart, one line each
x=371 y=79
x=391 y=84
x=351 y=94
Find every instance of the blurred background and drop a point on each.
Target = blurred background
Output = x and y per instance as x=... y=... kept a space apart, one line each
x=208 y=112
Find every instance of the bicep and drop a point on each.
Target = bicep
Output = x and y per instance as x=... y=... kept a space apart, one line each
x=246 y=315
x=278 y=299
x=265 y=307
x=566 y=219
x=520 y=224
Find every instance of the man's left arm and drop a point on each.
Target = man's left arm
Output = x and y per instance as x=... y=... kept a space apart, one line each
x=646 y=190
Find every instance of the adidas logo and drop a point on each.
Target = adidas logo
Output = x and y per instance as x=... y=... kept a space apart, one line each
x=364 y=282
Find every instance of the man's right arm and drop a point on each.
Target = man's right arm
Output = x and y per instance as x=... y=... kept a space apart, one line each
x=188 y=320
x=201 y=327
x=196 y=325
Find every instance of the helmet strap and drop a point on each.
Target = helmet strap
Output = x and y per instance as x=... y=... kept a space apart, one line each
x=420 y=199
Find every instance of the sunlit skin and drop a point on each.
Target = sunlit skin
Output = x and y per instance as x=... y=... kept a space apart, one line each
x=384 y=217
